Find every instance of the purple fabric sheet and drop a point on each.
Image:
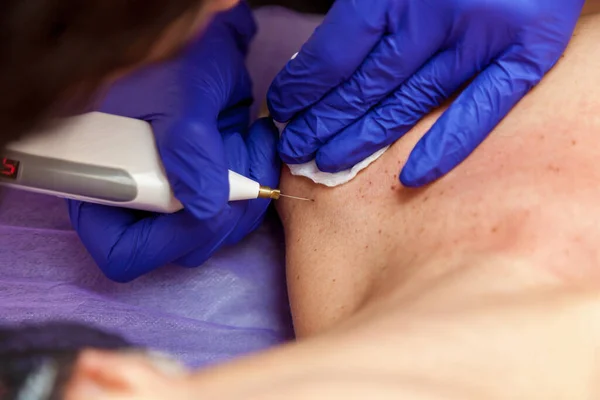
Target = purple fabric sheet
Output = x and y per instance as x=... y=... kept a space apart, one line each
x=234 y=304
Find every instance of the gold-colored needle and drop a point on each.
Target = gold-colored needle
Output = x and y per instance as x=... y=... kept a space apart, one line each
x=266 y=192
x=295 y=197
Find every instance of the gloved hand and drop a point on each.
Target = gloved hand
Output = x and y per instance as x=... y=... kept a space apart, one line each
x=198 y=106
x=374 y=68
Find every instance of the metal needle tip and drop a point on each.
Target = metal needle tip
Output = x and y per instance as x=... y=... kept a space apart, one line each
x=295 y=197
x=265 y=192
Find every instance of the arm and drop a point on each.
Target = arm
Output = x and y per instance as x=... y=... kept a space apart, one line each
x=379 y=361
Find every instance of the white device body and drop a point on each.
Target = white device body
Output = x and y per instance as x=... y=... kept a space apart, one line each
x=60 y=160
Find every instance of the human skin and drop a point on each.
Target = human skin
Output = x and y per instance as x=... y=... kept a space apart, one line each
x=520 y=212
x=537 y=345
x=483 y=285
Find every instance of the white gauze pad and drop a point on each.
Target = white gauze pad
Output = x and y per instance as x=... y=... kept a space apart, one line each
x=312 y=172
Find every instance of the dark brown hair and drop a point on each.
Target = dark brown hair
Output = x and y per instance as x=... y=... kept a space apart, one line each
x=56 y=53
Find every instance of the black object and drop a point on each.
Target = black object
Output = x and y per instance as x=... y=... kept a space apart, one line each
x=303 y=6
x=36 y=361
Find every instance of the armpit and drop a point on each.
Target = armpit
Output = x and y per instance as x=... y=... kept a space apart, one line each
x=520 y=194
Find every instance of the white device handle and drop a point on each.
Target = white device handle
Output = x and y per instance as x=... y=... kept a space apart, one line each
x=242 y=188
x=104 y=159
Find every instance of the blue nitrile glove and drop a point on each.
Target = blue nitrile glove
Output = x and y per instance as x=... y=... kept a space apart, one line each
x=198 y=106
x=374 y=68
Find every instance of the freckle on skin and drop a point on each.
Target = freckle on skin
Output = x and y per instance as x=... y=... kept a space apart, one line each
x=542 y=137
x=297 y=277
x=553 y=168
x=425 y=199
x=573 y=142
x=392 y=187
x=380 y=231
x=494 y=229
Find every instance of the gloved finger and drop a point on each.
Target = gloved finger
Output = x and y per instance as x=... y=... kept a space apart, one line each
x=384 y=70
x=470 y=118
x=237 y=153
x=126 y=246
x=265 y=169
x=191 y=147
x=335 y=50
x=258 y=160
x=107 y=225
x=237 y=161
x=265 y=166
x=399 y=112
